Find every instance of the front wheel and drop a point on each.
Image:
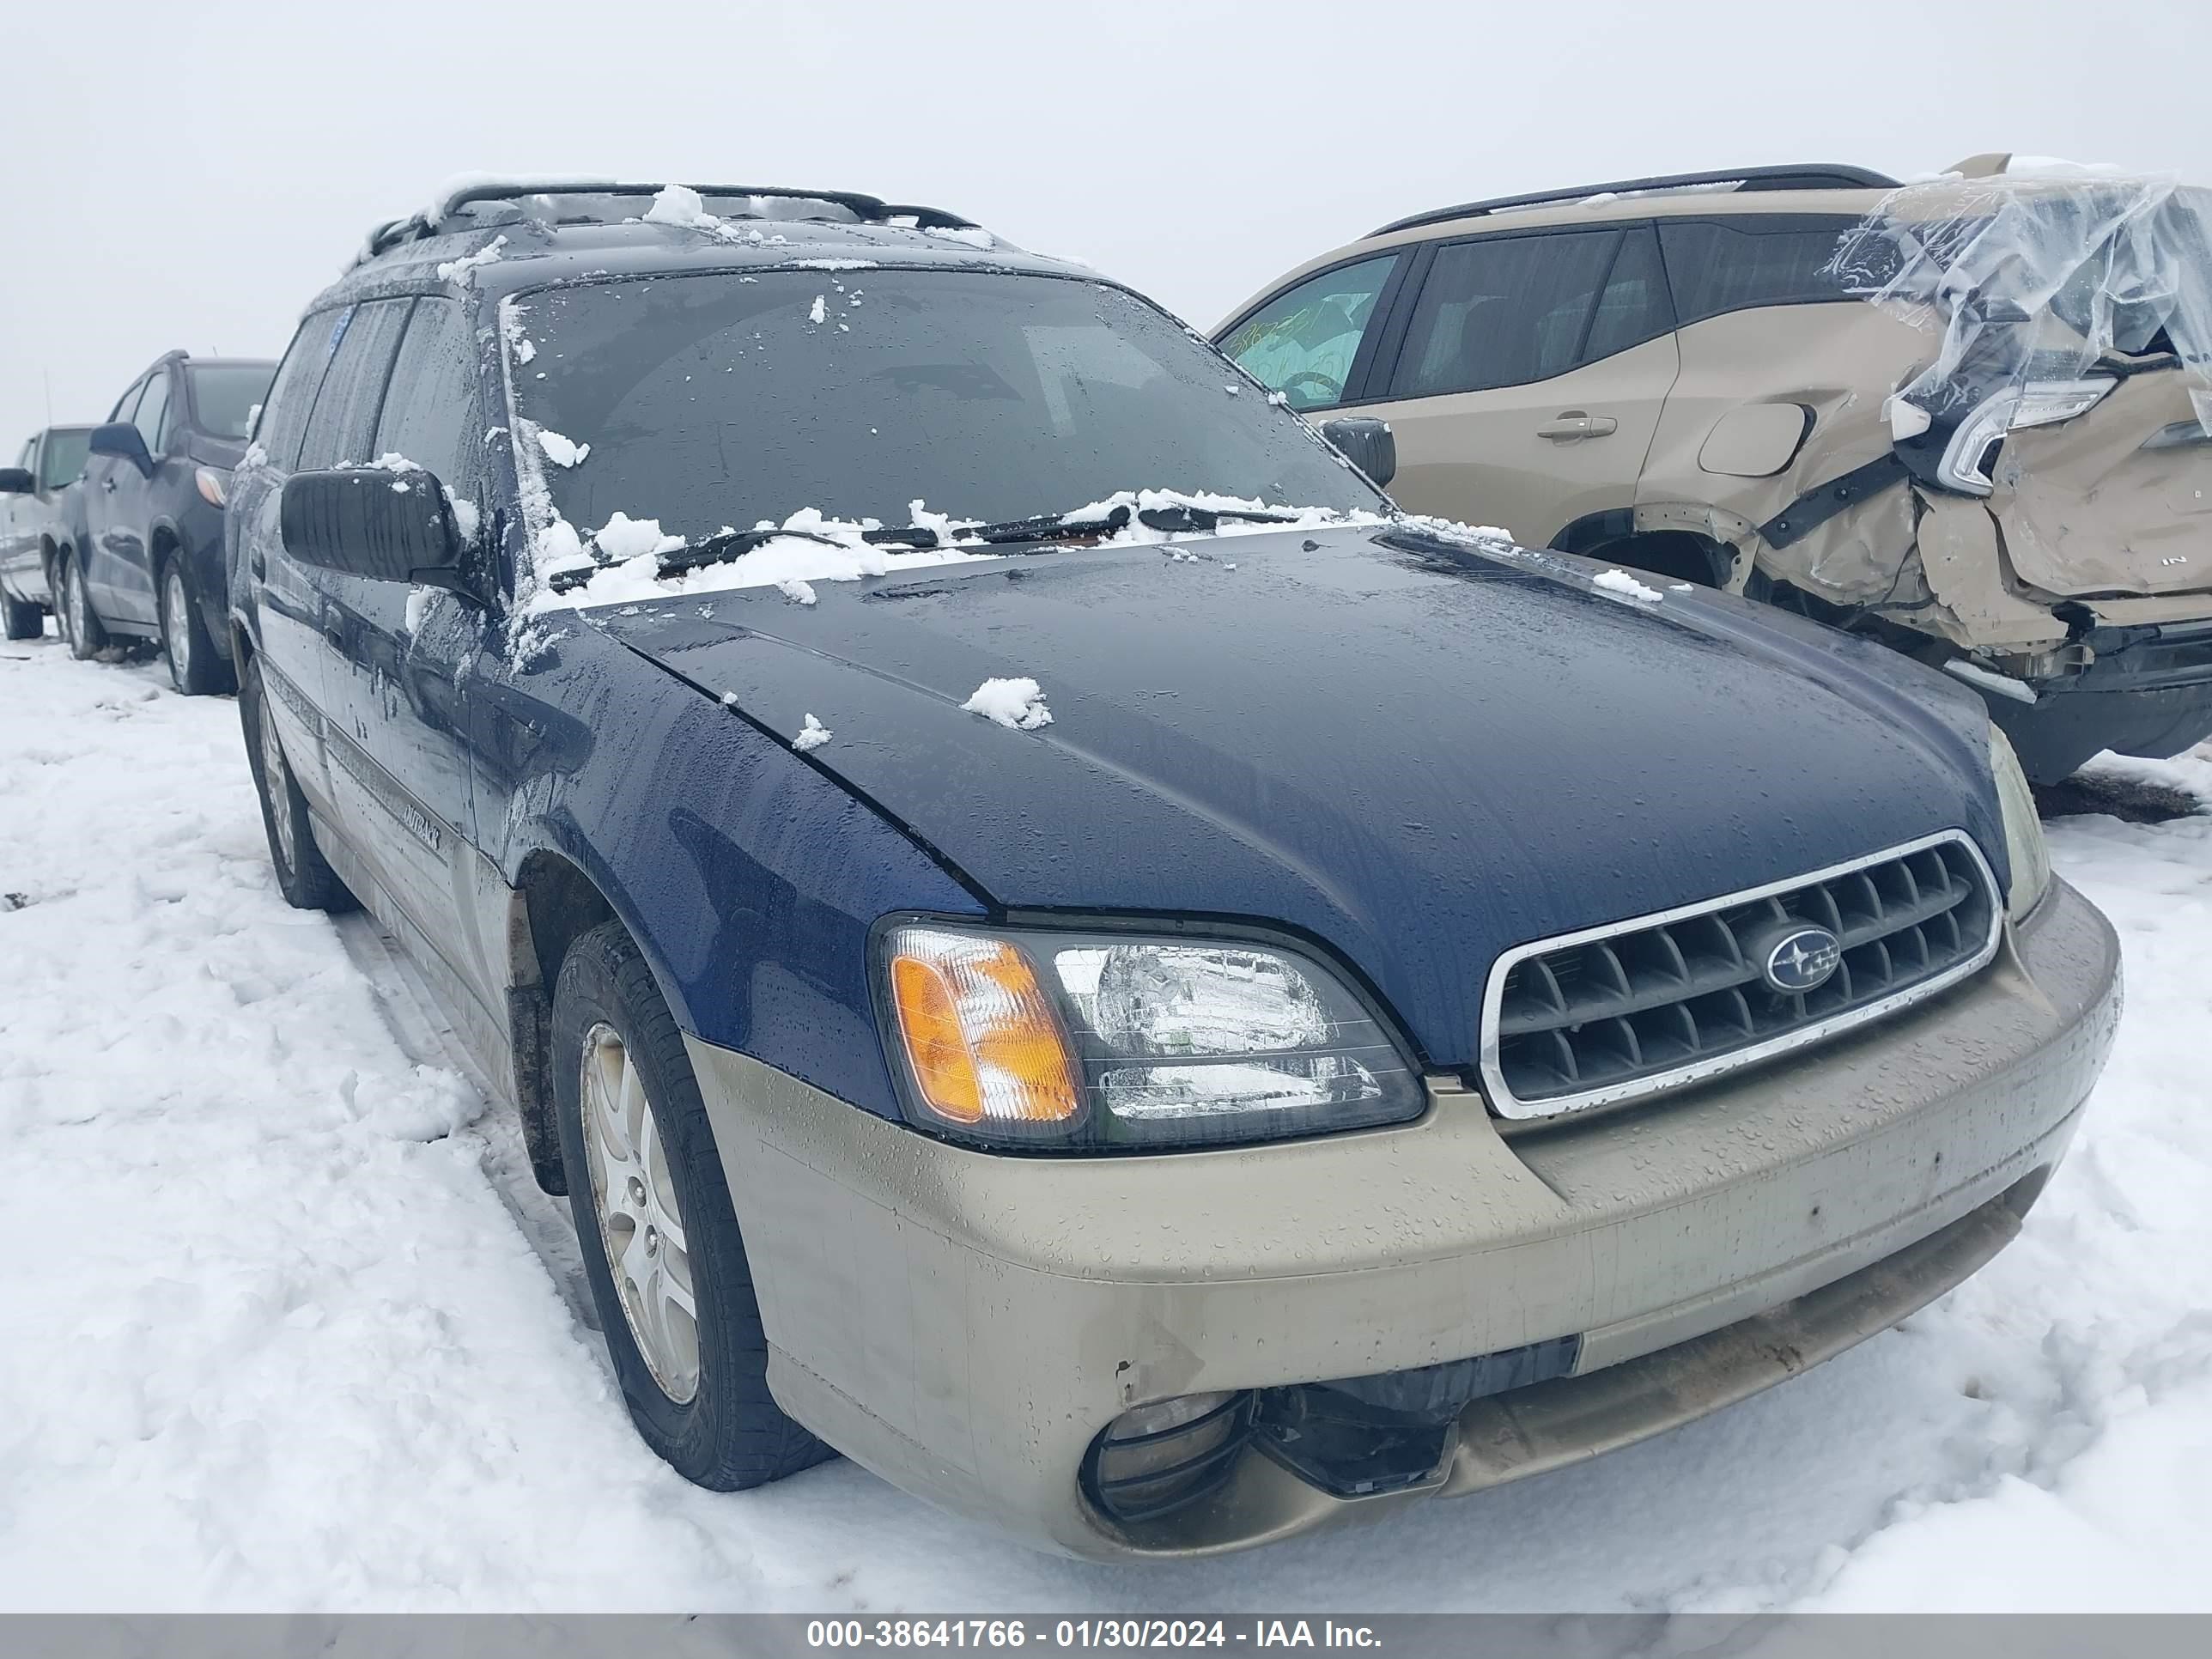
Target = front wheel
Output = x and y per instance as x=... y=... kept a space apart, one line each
x=194 y=668
x=662 y=1251
x=303 y=876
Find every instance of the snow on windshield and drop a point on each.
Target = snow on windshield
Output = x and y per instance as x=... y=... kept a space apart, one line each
x=928 y=399
x=625 y=557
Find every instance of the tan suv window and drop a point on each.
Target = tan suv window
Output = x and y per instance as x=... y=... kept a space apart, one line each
x=1302 y=342
x=1744 y=265
x=1635 y=305
x=1508 y=310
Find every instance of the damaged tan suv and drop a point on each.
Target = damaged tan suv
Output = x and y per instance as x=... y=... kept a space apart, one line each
x=1971 y=415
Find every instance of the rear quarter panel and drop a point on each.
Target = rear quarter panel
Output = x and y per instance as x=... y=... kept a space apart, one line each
x=1838 y=362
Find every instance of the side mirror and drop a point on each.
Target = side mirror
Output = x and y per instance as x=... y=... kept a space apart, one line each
x=1367 y=443
x=15 y=481
x=388 y=525
x=124 y=442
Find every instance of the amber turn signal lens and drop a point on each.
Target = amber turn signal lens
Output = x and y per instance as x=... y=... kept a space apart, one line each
x=979 y=1031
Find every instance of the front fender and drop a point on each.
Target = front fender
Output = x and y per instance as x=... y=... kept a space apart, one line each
x=747 y=873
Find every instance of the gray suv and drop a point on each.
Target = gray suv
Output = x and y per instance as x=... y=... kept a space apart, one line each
x=34 y=508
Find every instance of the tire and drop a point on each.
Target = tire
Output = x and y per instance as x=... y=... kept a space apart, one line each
x=80 y=622
x=306 y=881
x=705 y=1408
x=24 y=619
x=194 y=668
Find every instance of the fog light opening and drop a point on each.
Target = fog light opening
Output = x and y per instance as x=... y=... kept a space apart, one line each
x=1155 y=1458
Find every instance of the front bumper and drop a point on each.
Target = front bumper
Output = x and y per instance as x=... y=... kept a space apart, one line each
x=965 y=1323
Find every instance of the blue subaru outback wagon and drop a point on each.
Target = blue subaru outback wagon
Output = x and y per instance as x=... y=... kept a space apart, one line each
x=1059 y=946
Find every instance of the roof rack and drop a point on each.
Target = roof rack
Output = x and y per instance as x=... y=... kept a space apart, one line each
x=1804 y=176
x=433 y=221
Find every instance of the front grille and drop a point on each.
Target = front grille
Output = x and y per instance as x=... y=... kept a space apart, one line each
x=1653 y=1003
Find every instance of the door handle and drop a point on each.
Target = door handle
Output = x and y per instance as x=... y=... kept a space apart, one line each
x=1569 y=424
x=108 y=484
x=257 y=565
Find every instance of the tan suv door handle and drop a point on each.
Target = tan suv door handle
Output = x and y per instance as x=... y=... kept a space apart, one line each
x=1569 y=424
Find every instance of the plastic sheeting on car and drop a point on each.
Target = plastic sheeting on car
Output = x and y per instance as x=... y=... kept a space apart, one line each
x=2039 y=278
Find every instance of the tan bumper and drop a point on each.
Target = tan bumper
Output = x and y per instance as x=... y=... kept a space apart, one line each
x=965 y=1323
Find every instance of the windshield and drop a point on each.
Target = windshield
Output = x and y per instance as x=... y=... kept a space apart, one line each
x=224 y=395
x=62 y=459
x=722 y=398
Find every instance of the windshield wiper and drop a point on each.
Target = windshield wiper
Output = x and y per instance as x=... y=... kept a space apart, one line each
x=1045 y=527
x=726 y=546
x=718 y=548
x=1181 y=518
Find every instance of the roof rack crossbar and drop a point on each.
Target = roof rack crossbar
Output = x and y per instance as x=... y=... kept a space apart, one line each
x=865 y=207
x=1803 y=176
x=416 y=227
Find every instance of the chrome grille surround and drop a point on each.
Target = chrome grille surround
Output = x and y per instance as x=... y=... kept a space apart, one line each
x=1728 y=969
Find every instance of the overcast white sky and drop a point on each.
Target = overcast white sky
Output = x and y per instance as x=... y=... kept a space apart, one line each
x=193 y=175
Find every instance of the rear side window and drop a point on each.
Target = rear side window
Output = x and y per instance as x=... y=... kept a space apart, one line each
x=429 y=413
x=1741 y=264
x=343 y=428
x=1302 y=342
x=299 y=377
x=1635 y=304
x=1509 y=310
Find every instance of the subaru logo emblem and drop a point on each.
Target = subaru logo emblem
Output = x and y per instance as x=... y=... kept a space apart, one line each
x=1802 y=960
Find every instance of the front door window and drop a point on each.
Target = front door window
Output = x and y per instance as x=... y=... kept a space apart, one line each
x=1302 y=343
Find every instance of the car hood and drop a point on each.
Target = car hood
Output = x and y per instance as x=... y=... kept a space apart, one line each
x=1414 y=748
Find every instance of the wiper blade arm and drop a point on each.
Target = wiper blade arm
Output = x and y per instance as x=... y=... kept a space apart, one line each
x=726 y=546
x=719 y=549
x=1183 y=518
x=1049 y=527
x=730 y=544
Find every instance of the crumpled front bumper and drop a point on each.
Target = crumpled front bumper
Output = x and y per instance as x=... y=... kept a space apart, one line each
x=966 y=1323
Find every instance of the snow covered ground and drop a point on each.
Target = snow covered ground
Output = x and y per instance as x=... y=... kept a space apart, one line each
x=280 y=1329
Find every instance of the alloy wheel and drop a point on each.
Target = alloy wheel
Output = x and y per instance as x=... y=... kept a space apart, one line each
x=176 y=625
x=641 y=1222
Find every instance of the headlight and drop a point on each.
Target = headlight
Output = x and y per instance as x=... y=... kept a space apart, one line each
x=2023 y=831
x=1966 y=460
x=1094 y=1039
